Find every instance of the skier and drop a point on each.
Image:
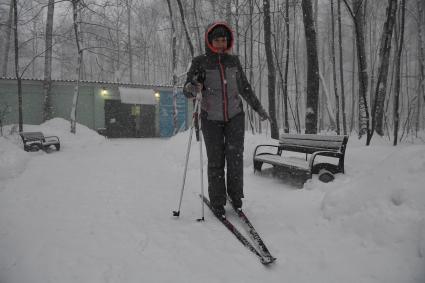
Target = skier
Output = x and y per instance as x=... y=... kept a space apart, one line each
x=220 y=77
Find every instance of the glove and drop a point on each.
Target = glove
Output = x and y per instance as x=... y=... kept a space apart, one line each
x=191 y=90
x=263 y=115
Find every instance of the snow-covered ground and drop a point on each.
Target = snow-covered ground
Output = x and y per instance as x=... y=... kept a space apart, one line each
x=101 y=211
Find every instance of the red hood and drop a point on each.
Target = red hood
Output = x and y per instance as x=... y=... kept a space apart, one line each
x=208 y=45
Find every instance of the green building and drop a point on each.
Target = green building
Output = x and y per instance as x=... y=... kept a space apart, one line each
x=113 y=109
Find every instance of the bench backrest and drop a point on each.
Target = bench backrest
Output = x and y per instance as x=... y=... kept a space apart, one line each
x=308 y=143
x=29 y=136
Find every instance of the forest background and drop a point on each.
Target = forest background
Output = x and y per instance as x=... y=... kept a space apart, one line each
x=346 y=66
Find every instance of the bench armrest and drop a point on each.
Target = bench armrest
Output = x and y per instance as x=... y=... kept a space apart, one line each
x=329 y=154
x=265 y=145
x=52 y=137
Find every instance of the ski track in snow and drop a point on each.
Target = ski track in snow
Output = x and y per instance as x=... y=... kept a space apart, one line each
x=100 y=211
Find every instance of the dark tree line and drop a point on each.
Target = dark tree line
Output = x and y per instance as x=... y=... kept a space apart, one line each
x=365 y=54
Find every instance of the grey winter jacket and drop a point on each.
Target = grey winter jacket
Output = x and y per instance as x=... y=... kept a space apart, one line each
x=224 y=82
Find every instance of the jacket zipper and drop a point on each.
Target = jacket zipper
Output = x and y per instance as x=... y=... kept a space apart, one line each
x=224 y=87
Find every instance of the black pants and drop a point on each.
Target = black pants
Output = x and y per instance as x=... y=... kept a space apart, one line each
x=224 y=142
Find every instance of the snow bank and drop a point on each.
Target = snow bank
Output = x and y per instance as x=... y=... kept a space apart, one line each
x=13 y=158
x=83 y=137
x=384 y=180
x=381 y=199
x=62 y=216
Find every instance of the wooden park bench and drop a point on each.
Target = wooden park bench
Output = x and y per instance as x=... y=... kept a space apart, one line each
x=312 y=146
x=34 y=141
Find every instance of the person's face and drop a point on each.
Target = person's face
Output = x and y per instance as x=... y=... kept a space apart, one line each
x=220 y=43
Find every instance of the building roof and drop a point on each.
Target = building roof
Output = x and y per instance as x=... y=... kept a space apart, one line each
x=102 y=83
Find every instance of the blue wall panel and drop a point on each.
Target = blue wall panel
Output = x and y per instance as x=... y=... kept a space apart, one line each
x=166 y=123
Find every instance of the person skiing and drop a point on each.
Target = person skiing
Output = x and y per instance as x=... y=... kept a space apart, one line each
x=222 y=81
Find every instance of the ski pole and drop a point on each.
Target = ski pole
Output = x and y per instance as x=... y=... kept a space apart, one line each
x=177 y=213
x=201 y=165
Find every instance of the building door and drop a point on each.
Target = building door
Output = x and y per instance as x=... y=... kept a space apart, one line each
x=118 y=119
x=129 y=120
x=145 y=121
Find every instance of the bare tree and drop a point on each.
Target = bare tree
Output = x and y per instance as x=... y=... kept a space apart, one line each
x=75 y=9
x=353 y=83
x=18 y=77
x=421 y=52
x=399 y=49
x=384 y=58
x=4 y=110
x=130 y=47
x=285 y=80
x=229 y=12
x=295 y=60
x=237 y=26
x=47 y=82
x=271 y=73
x=7 y=40
x=260 y=59
x=186 y=31
x=198 y=32
x=341 y=70
x=174 y=64
x=338 y=130
x=357 y=14
x=327 y=102
x=312 y=68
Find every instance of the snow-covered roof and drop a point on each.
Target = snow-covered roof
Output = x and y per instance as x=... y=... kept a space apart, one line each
x=127 y=84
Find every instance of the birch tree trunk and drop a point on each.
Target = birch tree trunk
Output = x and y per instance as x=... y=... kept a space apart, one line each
x=260 y=79
x=384 y=58
x=338 y=130
x=130 y=48
x=357 y=13
x=229 y=12
x=295 y=59
x=47 y=83
x=198 y=32
x=312 y=68
x=327 y=102
x=285 y=79
x=281 y=81
x=7 y=40
x=397 y=74
x=421 y=52
x=353 y=84
x=18 y=77
x=341 y=70
x=251 y=60
x=271 y=72
x=174 y=65
x=322 y=100
x=75 y=4
x=186 y=31
x=116 y=63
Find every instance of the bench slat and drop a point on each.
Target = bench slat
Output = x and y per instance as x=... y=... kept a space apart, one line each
x=313 y=144
x=279 y=160
x=32 y=135
x=311 y=137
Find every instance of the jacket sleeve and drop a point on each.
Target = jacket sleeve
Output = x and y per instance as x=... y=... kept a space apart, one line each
x=188 y=88
x=245 y=89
